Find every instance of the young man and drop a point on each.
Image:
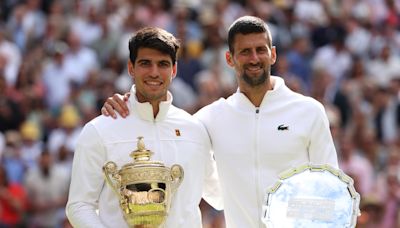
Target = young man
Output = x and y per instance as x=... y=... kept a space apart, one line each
x=173 y=135
x=262 y=129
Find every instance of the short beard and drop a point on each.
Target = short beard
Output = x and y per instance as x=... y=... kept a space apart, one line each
x=255 y=81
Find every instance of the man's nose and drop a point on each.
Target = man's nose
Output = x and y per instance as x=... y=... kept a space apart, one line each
x=154 y=71
x=254 y=57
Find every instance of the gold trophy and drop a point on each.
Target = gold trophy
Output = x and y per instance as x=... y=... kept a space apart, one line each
x=144 y=187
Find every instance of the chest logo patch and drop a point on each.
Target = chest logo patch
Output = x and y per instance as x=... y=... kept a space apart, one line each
x=177 y=132
x=283 y=127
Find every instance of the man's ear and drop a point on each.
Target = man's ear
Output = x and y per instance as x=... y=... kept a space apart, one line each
x=174 y=70
x=273 y=55
x=229 y=58
x=130 y=68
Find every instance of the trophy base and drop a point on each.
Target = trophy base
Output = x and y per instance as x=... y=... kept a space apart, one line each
x=146 y=216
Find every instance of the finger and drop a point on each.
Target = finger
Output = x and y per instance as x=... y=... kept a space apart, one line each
x=116 y=104
x=104 y=111
x=121 y=105
x=126 y=96
x=109 y=108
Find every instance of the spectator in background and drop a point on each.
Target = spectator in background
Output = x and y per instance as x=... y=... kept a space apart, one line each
x=371 y=213
x=87 y=26
x=79 y=59
x=299 y=61
x=56 y=78
x=334 y=52
x=68 y=131
x=13 y=202
x=10 y=58
x=385 y=67
x=293 y=81
x=384 y=116
x=391 y=199
x=10 y=112
x=32 y=145
x=11 y=158
x=213 y=55
x=189 y=63
x=356 y=165
x=47 y=188
x=183 y=22
x=2 y=145
x=209 y=88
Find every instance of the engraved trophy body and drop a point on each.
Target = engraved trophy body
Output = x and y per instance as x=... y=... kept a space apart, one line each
x=144 y=187
x=311 y=196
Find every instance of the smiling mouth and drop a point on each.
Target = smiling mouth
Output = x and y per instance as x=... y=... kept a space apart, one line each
x=253 y=68
x=153 y=83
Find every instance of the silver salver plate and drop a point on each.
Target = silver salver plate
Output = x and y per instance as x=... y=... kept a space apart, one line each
x=311 y=196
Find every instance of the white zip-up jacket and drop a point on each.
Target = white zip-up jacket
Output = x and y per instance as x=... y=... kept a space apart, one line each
x=174 y=136
x=253 y=145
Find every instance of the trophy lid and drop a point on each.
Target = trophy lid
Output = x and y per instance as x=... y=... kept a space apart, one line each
x=142 y=156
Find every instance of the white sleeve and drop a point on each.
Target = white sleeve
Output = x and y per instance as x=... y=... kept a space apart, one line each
x=212 y=192
x=212 y=189
x=87 y=180
x=321 y=148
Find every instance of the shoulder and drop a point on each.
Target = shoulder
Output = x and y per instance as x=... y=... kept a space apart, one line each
x=106 y=122
x=311 y=103
x=212 y=108
x=101 y=127
x=303 y=101
x=184 y=120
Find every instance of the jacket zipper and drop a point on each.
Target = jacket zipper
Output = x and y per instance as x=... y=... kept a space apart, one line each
x=257 y=164
x=157 y=143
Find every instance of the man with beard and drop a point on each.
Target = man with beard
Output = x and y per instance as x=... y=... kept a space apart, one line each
x=259 y=131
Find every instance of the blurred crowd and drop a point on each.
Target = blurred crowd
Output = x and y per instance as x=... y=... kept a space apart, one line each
x=60 y=59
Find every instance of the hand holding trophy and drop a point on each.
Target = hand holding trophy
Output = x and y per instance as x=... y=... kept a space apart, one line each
x=144 y=187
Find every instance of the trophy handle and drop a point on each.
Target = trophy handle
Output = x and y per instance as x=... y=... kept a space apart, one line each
x=112 y=177
x=177 y=176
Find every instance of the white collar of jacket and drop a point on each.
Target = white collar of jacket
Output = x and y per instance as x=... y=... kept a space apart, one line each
x=240 y=100
x=145 y=110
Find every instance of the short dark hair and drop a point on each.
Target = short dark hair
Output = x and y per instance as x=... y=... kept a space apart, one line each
x=155 y=38
x=246 y=25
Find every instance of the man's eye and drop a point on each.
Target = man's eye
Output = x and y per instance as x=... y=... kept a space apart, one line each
x=262 y=50
x=245 y=52
x=164 y=64
x=144 y=63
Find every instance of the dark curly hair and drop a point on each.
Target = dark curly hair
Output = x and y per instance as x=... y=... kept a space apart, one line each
x=155 y=38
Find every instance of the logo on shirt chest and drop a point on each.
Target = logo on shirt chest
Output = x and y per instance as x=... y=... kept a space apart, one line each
x=177 y=132
x=283 y=127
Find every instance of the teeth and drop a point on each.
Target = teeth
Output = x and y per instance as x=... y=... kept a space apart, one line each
x=253 y=68
x=153 y=83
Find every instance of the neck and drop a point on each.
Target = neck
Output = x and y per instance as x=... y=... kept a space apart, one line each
x=156 y=108
x=256 y=94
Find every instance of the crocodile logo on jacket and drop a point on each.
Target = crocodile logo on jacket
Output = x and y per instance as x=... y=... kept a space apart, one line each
x=282 y=127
